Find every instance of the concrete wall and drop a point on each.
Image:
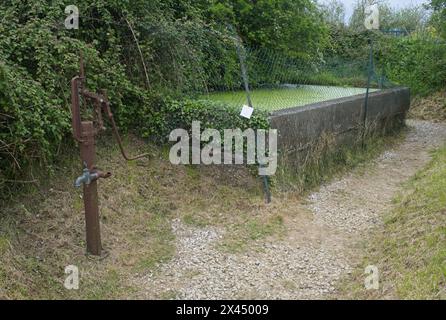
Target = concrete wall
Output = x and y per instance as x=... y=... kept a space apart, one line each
x=301 y=128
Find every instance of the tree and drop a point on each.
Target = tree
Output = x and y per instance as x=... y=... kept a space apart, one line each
x=357 y=19
x=294 y=27
x=334 y=13
x=409 y=19
x=439 y=16
x=438 y=4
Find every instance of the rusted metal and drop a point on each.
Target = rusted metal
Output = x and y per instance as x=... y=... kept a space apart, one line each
x=88 y=152
x=102 y=104
x=85 y=132
x=107 y=109
x=102 y=175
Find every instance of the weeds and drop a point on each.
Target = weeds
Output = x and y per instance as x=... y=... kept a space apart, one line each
x=326 y=158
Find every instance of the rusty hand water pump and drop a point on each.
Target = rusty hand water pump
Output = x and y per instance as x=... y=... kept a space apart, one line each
x=84 y=133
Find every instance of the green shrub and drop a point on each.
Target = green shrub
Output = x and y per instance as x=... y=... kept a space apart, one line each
x=418 y=62
x=32 y=123
x=214 y=115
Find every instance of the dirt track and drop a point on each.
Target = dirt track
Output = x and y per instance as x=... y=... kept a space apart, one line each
x=320 y=244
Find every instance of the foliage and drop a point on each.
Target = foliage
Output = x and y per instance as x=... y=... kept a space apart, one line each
x=38 y=58
x=409 y=19
x=416 y=61
x=185 y=45
x=30 y=120
x=439 y=16
x=280 y=24
x=216 y=115
x=334 y=13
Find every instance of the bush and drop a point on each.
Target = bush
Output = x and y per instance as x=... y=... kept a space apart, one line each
x=418 y=62
x=214 y=115
x=32 y=124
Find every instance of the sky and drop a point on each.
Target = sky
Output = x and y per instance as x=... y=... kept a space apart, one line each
x=349 y=4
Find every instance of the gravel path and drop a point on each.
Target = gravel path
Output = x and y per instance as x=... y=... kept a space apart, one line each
x=319 y=246
x=354 y=204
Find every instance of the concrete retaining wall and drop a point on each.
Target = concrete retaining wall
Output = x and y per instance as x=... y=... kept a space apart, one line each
x=301 y=128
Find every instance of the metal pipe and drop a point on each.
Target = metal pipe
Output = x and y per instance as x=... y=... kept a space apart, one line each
x=84 y=132
x=88 y=152
x=266 y=189
x=109 y=114
x=242 y=57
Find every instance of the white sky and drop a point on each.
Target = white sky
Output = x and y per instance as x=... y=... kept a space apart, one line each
x=349 y=4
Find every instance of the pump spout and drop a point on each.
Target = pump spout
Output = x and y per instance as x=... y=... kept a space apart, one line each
x=85 y=178
x=88 y=177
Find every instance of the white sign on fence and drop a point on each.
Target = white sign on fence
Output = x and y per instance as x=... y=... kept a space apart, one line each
x=247 y=112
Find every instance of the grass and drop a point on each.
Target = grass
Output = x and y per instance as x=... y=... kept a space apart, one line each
x=326 y=160
x=432 y=108
x=42 y=229
x=276 y=99
x=410 y=251
x=45 y=230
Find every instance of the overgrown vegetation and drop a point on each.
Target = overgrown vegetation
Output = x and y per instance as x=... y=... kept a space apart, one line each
x=439 y=16
x=432 y=108
x=416 y=59
x=302 y=171
x=179 y=40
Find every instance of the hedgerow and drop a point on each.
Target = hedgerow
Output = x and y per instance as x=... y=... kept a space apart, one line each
x=418 y=61
x=180 y=114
